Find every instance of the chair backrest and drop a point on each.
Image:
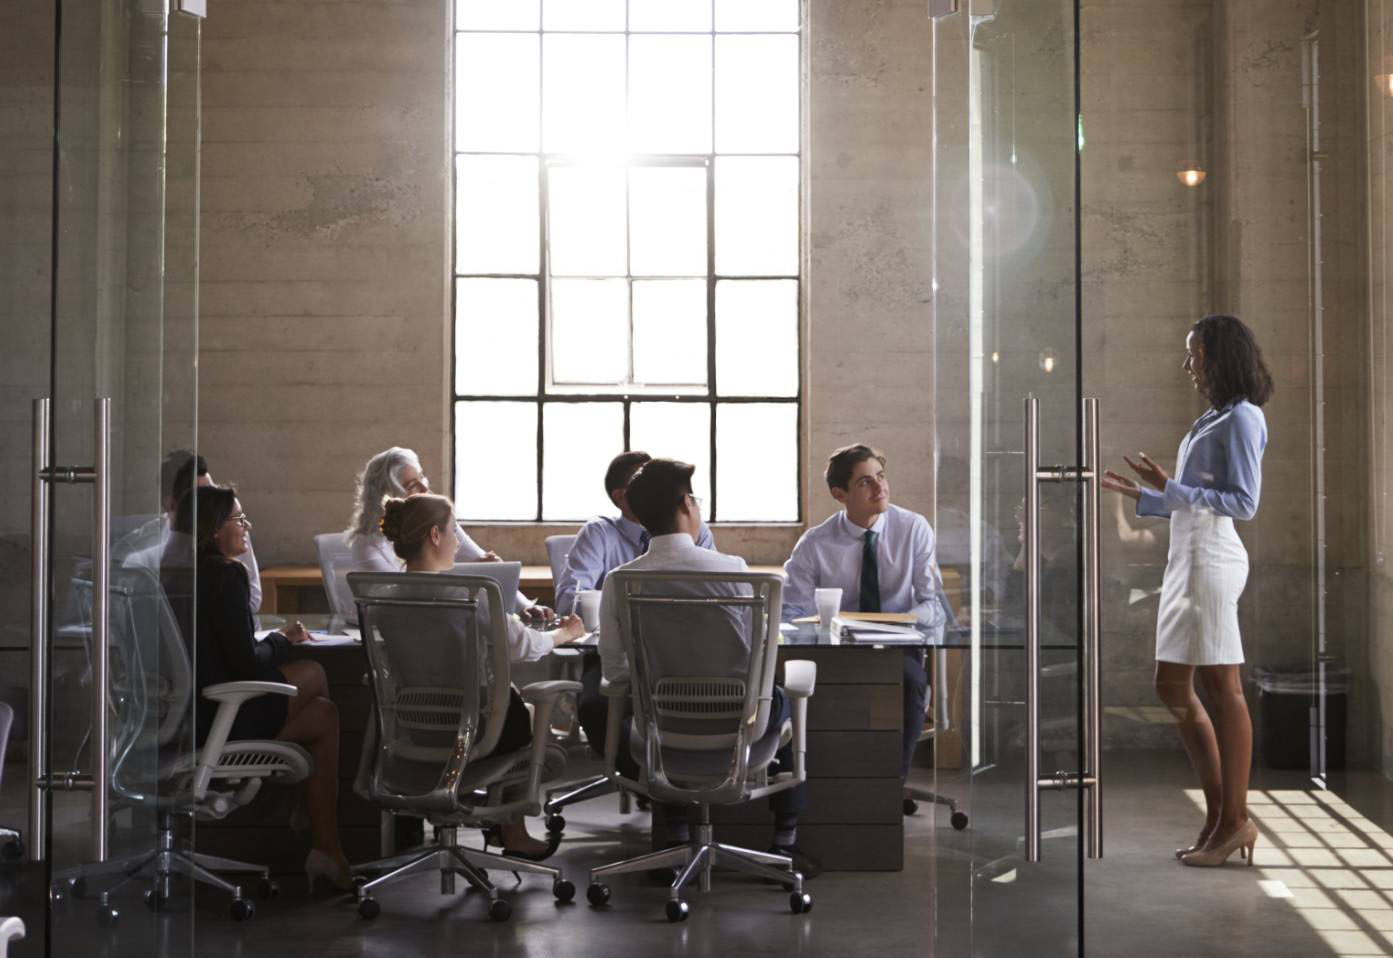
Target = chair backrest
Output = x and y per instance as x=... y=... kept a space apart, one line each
x=335 y=562
x=508 y=575
x=150 y=678
x=558 y=548
x=7 y=717
x=437 y=649
x=702 y=650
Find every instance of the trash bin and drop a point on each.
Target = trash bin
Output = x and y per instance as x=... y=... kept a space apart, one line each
x=1288 y=719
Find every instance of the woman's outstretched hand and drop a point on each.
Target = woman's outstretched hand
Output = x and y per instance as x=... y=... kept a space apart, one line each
x=1149 y=472
x=1122 y=484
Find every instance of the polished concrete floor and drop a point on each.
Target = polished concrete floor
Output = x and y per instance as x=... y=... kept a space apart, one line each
x=1321 y=885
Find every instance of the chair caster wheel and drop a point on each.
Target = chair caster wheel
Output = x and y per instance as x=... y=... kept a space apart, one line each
x=499 y=910
x=12 y=850
x=910 y=806
x=958 y=820
x=368 y=908
x=77 y=887
x=107 y=916
x=800 y=902
x=556 y=824
x=597 y=894
x=266 y=888
x=677 y=910
x=241 y=909
x=563 y=890
x=154 y=900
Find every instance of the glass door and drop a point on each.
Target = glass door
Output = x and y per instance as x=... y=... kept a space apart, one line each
x=1012 y=453
x=112 y=202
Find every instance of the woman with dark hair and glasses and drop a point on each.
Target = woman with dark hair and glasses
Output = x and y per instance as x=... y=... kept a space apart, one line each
x=1218 y=478
x=225 y=649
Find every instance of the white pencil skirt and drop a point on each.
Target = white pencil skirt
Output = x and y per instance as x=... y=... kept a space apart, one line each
x=1207 y=567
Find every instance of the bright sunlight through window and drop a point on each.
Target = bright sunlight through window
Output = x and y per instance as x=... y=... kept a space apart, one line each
x=627 y=251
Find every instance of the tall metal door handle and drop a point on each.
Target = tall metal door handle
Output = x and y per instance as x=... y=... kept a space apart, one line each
x=1032 y=629
x=38 y=635
x=1089 y=778
x=101 y=637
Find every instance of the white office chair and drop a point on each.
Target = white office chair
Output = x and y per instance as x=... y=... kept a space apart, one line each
x=11 y=843
x=701 y=732
x=153 y=762
x=581 y=790
x=11 y=929
x=335 y=562
x=437 y=648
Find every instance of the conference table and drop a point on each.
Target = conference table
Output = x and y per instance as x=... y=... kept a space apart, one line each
x=854 y=817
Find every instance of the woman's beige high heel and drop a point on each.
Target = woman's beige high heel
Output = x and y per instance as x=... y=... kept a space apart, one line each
x=1242 y=841
x=1199 y=842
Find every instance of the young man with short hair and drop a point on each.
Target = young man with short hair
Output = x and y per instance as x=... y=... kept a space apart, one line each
x=660 y=495
x=880 y=556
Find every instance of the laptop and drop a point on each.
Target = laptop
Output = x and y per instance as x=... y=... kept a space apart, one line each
x=506 y=574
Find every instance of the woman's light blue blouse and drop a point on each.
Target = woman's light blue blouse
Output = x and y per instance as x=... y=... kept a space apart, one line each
x=1222 y=469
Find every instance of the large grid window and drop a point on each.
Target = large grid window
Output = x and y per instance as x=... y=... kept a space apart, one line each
x=627 y=267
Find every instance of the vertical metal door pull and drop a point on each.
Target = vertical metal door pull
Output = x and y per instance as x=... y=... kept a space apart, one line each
x=1090 y=777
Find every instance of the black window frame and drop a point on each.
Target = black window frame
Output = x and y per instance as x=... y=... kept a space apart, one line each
x=711 y=396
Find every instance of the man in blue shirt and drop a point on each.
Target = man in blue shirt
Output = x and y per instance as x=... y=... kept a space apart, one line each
x=605 y=542
x=880 y=556
x=603 y=545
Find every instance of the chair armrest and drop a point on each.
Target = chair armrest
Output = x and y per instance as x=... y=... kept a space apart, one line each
x=229 y=696
x=239 y=692
x=11 y=929
x=535 y=692
x=800 y=677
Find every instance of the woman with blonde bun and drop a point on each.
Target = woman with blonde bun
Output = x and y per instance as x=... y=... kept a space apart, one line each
x=423 y=532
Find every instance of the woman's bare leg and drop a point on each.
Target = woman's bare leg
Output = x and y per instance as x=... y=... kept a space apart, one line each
x=1224 y=687
x=1175 y=686
x=313 y=722
x=308 y=677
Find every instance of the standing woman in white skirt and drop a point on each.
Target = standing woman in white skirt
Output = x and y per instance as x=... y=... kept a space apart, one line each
x=1218 y=478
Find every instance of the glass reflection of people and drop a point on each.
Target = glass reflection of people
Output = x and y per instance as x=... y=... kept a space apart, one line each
x=1218 y=478
x=225 y=647
x=880 y=556
x=424 y=532
x=396 y=473
x=143 y=548
x=953 y=534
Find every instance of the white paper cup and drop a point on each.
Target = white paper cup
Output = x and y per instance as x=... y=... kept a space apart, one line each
x=588 y=608
x=829 y=603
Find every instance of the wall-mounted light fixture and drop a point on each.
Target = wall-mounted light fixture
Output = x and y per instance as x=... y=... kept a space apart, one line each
x=1047 y=358
x=1191 y=175
x=1384 y=82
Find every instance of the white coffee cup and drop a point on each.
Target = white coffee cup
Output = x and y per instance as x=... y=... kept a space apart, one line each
x=588 y=608
x=829 y=603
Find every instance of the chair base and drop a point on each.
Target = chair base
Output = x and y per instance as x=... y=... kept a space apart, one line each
x=449 y=858
x=580 y=791
x=161 y=864
x=696 y=859
x=913 y=796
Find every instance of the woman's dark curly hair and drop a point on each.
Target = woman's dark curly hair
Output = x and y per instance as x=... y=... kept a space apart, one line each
x=1233 y=365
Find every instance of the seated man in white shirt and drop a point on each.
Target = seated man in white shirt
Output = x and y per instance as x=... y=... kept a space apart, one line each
x=660 y=495
x=144 y=547
x=880 y=556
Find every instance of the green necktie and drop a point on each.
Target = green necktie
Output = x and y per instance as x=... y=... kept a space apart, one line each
x=870 y=575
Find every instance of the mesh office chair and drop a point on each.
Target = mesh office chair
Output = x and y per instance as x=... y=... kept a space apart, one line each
x=11 y=843
x=11 y=929
x=335 y=562
x=153 y=762
x=438 y=652
x=703 y=648
x=562 y=796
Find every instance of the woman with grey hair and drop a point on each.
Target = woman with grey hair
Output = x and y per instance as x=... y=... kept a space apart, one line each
x=396 y=473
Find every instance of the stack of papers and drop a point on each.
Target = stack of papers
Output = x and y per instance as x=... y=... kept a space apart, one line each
x=878 y=632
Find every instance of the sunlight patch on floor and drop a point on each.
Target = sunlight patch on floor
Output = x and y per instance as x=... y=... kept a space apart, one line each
x=1331 y=863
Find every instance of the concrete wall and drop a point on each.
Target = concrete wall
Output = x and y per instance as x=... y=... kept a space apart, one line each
x=325 y=332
